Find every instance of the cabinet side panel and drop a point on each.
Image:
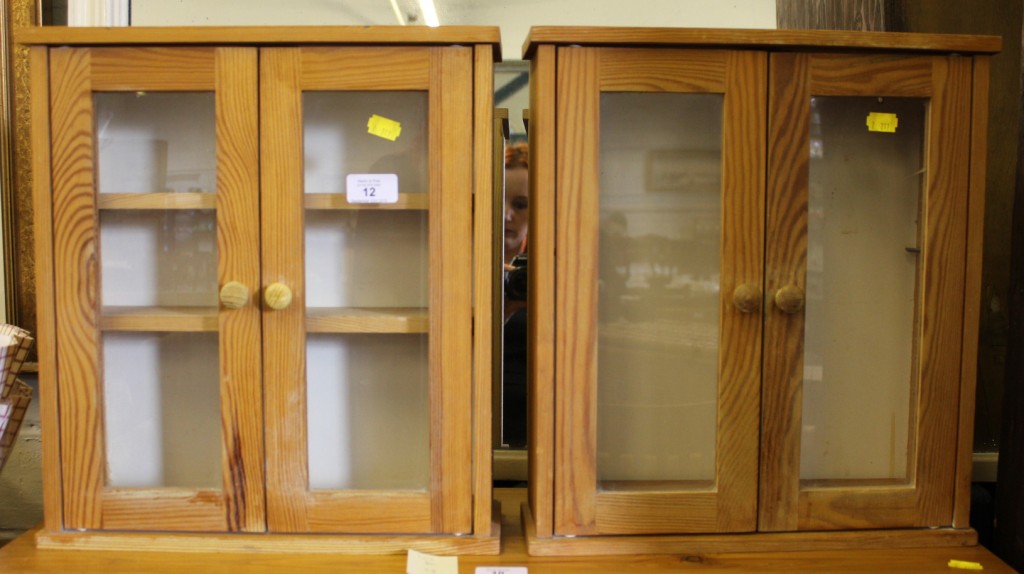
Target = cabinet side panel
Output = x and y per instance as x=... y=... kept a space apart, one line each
x=541 y=323
x=238 y=237
x=577 y=180
x=46 y=330
x=451 y=182
x=942 y=286
x=788 y=133
x=972 y=297
x=483 y=270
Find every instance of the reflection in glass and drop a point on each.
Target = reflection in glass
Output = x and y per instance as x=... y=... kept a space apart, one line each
x=658 y=285
x=862 y=269
x=368 y=412
x=165 y=429
x=150 y=142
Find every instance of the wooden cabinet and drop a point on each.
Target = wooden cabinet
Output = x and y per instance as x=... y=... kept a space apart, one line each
x=266 y=246
x=755 y=266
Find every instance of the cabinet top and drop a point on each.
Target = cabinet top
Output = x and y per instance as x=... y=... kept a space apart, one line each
x=777 y=40
x=261 y=35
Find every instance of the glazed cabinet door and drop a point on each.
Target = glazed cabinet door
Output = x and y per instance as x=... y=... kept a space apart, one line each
x=659 y=207
x=366 y=221
x=867 y=203
x=155 y=207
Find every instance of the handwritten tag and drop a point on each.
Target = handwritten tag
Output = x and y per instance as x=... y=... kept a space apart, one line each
x=421 y=563
x=882 y=122
x=383 y=127
x=371 y=188
x=500 y=570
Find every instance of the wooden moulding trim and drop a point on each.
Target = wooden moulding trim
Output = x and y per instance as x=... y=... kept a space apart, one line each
x=487 y=545
x=263 y=35
x=770 y=39
x=750 y=542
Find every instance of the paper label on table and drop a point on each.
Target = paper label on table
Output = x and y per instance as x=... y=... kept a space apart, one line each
x=421 y=563
x=882 y=122
x=371 y=188
x=383 y=127
x=500 y=570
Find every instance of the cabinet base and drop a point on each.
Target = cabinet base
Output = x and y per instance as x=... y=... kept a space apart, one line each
x=693 y=544
x=446 y=545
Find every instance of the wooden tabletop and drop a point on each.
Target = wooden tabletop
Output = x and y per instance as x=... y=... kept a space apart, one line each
x=22 y=556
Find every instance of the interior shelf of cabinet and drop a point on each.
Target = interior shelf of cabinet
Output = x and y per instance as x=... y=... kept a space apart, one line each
x=318 y=319
x=340 y=201
x=181 y=319
x=367 y=320
x=161 y=200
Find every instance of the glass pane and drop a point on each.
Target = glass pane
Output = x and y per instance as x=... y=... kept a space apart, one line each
x=366 y=258
x=155 y=142
x=158 y=258
x=368 y=394
x=161 y=398
x=658 y=279
x=338 y=141
x=862 y=267
x=368 y=412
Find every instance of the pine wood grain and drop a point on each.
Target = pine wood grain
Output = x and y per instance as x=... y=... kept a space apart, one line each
x=238 y=220
x=76 y=277
x=486 y=286
x=159 y=200
x=749 y=39
x=367 y=320
x=340 y=201
x=169 y=319
x=541 y=289
x=73 y=552
x=364 y=68
x=972 y=290
x=576 y=210
x=46 y=348
x=284 y=338
x=263 y=35
x=785 y=264
x=451 y=288
x=152 y=69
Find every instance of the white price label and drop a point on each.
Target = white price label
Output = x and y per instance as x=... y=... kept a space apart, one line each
x=371 y=188
x=500 y=570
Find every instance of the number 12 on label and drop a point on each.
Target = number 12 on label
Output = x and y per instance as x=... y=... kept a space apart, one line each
x=371 y=188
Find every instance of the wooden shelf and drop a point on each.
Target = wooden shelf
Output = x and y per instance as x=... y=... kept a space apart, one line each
x=318 y=320
x=367 y=320
x=177 y=319
x=162 y=200
x=339 y=201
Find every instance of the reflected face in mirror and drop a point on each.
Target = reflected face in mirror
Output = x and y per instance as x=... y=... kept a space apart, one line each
x=517 y=203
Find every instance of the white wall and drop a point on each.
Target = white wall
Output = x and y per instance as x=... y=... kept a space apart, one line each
x=514 y=18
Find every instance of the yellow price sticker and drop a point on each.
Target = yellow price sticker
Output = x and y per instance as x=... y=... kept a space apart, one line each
x=965 y=565
x=383 y=127
x=882 y=122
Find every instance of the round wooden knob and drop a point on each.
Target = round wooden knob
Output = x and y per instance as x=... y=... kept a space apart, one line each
x=234 y=295
x=277 y=296
x=747 y=298
x=789 y=299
